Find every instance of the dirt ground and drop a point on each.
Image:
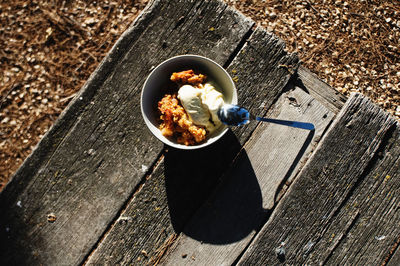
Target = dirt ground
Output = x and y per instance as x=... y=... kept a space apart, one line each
x=48 y=49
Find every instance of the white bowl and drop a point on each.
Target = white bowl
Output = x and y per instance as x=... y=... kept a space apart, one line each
x=156 y=84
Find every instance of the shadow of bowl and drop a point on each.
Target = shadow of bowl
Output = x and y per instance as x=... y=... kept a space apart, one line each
x=208 y=202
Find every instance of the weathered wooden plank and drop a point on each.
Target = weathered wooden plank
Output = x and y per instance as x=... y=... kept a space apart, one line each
x=85 y=169
x=223 y=227
x=321 y=91
x=187 y=184
x=315 y=204
x=277 y=153
x=366 y=229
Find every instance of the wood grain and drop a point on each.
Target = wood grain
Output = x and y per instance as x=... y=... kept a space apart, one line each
x=321 y=91
x=278 y=152
x=166 y=201
x=339 y=208
x=184 y=185
x=91 y=161
x=366 y=230
x=223 y=227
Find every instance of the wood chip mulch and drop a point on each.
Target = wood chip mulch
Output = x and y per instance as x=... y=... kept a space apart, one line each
x=48 y=49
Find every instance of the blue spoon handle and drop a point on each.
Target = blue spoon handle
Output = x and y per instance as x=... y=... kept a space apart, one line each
x=296 y=124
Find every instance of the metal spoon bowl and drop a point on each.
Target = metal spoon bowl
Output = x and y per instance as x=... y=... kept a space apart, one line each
x=233 y=115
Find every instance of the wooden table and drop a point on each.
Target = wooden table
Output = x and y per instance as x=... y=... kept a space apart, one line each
x=100 y=189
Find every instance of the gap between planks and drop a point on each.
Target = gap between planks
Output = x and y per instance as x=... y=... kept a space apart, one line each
x=118 y=216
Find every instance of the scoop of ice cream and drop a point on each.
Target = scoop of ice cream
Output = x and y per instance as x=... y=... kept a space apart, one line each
x=191 y=100
x=214 y=100
x=202 y=104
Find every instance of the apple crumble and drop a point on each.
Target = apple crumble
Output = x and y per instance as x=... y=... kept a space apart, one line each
x=175 y=121
x=189 y=115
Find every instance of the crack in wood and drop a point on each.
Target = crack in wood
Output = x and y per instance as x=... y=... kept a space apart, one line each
x=393 y=249
x=239 y=47
x=118 y=215
x=179 y=22
x=163 y=249
x=350 y=224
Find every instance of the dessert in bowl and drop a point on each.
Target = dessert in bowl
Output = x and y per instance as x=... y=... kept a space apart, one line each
x=180 y=99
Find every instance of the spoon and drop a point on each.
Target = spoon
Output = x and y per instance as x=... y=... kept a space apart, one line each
x=233 y=115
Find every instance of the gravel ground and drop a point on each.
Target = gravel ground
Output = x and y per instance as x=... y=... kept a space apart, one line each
x=49 y=48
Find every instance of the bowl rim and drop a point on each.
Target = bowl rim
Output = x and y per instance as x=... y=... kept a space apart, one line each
x=152 y=128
